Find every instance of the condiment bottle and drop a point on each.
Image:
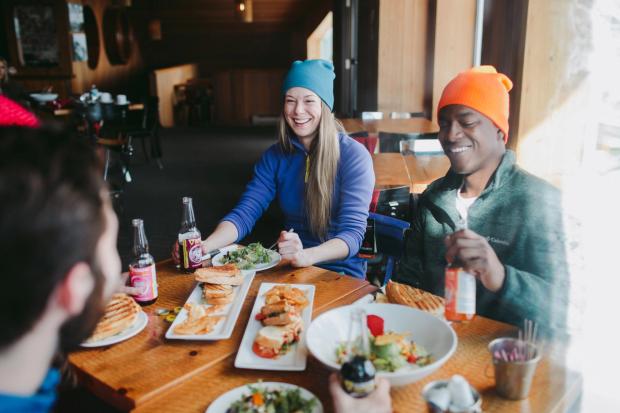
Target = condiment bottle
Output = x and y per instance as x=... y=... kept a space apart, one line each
x=358 y=373
x=190 y=248
x=460 y=289
x=142 y=272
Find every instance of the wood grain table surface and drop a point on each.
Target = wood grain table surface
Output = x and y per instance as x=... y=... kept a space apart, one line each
x=151 y=374
x=413 y=125
x=415 y=171
x=133 y=372
x=69 y=111
x=390 y=170
x=424 y=169
x=554 y=388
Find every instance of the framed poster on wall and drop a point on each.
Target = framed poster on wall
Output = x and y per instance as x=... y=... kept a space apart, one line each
x=38 y=37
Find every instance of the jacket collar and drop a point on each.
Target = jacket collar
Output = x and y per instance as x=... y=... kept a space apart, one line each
x=297 y=144
x=443 y=192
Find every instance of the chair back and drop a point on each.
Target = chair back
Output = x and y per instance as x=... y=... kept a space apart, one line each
x=368 y=140
x=389 y=234
x=390 y=142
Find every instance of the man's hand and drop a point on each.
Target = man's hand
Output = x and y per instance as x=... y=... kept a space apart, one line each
x=291 y=248
x=477 y=257
x=378 y=401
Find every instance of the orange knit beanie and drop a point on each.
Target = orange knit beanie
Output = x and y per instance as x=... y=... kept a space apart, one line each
x=483 y=89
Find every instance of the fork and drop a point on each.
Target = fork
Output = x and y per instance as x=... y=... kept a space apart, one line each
x=276 y=243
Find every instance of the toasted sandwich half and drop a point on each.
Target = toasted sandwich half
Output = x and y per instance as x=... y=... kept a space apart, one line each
x=120 y=314
x=227 y=274
x=272 y=341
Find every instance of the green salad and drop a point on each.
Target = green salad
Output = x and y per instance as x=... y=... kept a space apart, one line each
x=389 y=351
x=247 y=258
x=272 y=401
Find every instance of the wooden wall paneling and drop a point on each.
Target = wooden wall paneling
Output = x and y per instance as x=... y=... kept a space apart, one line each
x=164 y=81
x=126 y=78
x=503 y=46
x=39 y=78
x=454 y=43
x=555 y=127
x=402 y=52
x=223 y=110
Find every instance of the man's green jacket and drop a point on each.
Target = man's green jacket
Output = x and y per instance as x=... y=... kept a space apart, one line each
x=520 y=216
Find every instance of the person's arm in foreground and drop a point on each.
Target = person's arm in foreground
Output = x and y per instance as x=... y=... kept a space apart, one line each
x=378 y=401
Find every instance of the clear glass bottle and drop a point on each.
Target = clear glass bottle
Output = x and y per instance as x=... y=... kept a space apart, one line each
x=142 y=271
x=460 y=289
x=357 y=374
x=190 y=242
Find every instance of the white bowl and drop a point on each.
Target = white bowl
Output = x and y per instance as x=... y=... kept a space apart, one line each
x=44 y=97
x=330 y=329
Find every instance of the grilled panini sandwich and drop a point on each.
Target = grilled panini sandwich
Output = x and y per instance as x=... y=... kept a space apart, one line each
x=227 y=274
x=120 y=314
x=398 y=293
x=218 y=294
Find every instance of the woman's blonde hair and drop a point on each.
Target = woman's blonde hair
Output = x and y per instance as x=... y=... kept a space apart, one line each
x=324 y=156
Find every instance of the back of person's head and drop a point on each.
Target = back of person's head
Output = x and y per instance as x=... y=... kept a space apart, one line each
x=51 y=218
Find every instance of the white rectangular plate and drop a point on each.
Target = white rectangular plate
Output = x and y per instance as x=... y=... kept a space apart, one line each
x=295 y=359
x=231 y=311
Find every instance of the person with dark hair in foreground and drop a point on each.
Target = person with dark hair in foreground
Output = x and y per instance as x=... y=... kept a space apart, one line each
x=514 y=244
x=59 y=261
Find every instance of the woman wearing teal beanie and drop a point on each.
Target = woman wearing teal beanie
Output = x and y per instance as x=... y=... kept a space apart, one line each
x=322 y=178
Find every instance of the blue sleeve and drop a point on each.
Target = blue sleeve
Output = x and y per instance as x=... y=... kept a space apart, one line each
x=257 y=196
x=357 y=181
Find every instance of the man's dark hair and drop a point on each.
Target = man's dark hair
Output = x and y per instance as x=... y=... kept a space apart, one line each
x=51 y=217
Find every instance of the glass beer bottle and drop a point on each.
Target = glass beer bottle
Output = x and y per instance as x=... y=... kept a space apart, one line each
x=142 y=272
x=460 y=289
x=190 y=243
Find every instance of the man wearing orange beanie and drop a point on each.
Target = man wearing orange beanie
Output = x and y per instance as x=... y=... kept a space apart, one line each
x=514 y=243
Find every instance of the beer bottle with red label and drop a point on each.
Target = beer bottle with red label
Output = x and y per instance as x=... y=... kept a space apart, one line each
x=190 y=248
x=142 y=273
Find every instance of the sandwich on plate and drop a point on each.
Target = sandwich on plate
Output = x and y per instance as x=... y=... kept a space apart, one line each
x=281 y=318
x=227 y=274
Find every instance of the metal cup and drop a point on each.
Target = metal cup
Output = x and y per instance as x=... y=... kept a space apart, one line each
x=513 y=379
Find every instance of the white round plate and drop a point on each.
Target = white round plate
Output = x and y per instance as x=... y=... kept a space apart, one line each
x=331 y=328
x=275 y=259
x=44 y=97
x=137 y=326
x=222 y=403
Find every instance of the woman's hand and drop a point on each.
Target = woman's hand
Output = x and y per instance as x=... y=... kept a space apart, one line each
x=291 y=248
x=378 y=401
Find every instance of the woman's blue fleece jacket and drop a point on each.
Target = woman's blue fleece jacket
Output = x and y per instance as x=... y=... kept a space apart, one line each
x=283 y=175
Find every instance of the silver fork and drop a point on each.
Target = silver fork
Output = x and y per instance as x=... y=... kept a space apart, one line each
x=276 y=243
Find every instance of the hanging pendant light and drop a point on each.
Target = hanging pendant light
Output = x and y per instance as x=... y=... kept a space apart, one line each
x=245 y=10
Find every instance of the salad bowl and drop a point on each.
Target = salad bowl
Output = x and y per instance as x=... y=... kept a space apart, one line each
x=330 y=330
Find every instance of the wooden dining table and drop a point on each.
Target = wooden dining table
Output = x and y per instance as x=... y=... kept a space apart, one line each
x=416 y=171
x=151 y=374
x=411 y=125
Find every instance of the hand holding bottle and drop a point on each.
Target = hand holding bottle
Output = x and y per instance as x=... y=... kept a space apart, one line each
x=378 y=401
x=477 y=257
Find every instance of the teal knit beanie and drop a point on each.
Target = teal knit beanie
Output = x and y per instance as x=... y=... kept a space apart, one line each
x=316 y=75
